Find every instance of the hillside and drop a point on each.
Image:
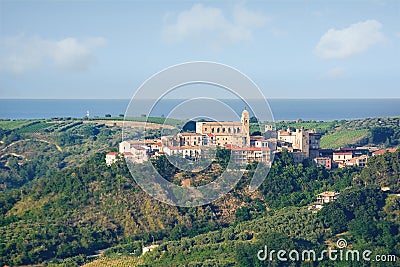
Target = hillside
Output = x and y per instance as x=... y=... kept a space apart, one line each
x=336 y=134
x=60 y=204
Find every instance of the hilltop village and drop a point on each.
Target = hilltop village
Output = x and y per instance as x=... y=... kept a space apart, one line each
x=235 y=136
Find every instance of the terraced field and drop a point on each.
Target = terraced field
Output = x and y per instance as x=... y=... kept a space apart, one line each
x=343 y=138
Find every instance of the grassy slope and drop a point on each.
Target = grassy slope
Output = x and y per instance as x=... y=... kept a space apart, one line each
x=10 y=125
x=343 y=138
x=203 y=248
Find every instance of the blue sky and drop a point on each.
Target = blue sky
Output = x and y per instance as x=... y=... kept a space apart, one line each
x=291 y=49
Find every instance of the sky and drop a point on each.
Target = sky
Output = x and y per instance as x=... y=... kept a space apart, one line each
x=290 y=49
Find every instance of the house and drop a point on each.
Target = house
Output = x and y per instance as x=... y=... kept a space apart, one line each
x=139 y=154
x=111 y=157
x=190 y=139
x=306 y=141
x=327 y=197
x=156 y=147
x=383 y=151
x=243 y=155
x=325 y=162
x=342 y=156
x=125 y=146
x=188 y=152
x=360 y=161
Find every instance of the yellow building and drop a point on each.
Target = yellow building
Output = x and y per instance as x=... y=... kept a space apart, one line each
x=226 y=132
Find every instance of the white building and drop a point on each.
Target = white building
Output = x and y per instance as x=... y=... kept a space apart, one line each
x=134 y=153
x=111 y=157
x=139 y=154
x=342 y=156
x=327 y=196
x=189 y=152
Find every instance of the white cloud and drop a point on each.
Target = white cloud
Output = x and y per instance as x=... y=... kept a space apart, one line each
x=20 y=53
x=210 y=24
x=334 y=74
x=355 y=39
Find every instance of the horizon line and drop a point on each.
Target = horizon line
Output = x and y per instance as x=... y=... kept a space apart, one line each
x=272 y=98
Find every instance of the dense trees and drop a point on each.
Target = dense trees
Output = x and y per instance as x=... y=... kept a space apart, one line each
x=383 y=170
x=381 y=134
x=65 y=205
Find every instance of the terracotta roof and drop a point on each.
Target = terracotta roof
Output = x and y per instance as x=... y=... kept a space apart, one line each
x=252 y=148
x=328 y=194
x=127 y=154
x=342 y=153
x=139 y=148
x=112 y=153
x=383 y=151
x=191 y=134
x=284 y=133
x=182 y=147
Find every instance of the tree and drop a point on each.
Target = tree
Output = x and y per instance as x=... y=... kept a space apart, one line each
x=253 y=120
x=242 y=214
x=334 y=217
x=381 y=134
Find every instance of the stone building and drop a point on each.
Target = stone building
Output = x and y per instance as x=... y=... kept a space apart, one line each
x=227 y=132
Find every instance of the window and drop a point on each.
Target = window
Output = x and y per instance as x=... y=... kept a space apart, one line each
x=218 y=130
x=212 y=130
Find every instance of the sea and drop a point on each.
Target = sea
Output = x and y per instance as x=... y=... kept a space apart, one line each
x=282 y=109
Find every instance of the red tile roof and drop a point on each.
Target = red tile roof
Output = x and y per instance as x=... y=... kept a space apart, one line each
x=138 y=148
x=342 y=153
x=112 y=153
x=383 y=151
x=252 y=148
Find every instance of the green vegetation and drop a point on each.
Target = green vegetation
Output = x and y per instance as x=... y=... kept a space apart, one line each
x=34 y=127
x=344 y=138
x=12 y=124
x=158 y=120
x=60 y=204
x=319 y=126
x=373 y=131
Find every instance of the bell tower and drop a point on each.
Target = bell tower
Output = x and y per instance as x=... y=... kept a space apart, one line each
x=246 y=125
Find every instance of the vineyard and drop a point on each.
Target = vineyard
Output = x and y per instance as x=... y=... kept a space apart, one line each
x=344 y=138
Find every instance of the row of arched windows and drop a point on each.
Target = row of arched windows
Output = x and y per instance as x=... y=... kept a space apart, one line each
x=225 y=130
